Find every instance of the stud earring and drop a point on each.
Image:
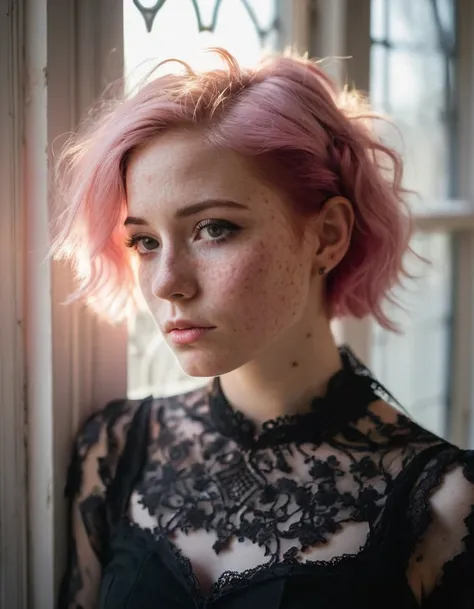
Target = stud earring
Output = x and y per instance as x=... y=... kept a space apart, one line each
x=322 y=270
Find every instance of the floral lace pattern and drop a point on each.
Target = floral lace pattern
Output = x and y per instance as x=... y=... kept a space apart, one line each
x=353 y=483
x=286 y=492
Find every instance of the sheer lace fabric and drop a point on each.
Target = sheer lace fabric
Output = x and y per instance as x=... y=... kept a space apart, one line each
x=183 y=502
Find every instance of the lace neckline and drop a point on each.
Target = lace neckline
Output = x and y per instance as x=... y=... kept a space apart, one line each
x=349 y=393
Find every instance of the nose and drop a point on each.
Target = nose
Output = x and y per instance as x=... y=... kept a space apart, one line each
x=174 y=277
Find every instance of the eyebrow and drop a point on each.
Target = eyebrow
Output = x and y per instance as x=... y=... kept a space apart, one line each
x=190 y=210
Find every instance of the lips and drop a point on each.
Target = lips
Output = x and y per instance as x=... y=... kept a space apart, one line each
x=186 y=336
x=186 y=331
x=185 y=324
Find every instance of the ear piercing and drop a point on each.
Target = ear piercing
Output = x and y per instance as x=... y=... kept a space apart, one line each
x=322 y=270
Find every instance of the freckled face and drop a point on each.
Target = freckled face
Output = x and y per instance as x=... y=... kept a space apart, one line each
x=238 y=269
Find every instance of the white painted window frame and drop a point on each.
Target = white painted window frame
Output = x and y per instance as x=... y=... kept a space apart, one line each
x=58 y=363
x=13 y=508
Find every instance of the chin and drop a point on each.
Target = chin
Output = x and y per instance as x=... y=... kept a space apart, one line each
x=198 y=364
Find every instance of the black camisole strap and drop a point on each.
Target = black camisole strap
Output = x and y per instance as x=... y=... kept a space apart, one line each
x=130 y=464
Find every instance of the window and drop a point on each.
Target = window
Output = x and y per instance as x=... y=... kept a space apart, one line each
x=74 y=363
x=412 y=78
x=181 y=29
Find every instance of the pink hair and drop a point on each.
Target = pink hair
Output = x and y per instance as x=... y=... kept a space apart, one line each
x=311 y=140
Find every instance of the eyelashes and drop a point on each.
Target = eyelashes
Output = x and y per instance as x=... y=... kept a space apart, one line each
x=223 y=227
x=145 y=245
x=136 y=240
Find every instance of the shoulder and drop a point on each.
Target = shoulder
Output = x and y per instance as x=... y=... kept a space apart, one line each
x=446 y=488
x=107 y=424
x=101 y=439
x=434 y=485
x=395 y=439
x=442 y=517
x=98 y=445
x=439 y=474
x=415 y=460
x=392 y=425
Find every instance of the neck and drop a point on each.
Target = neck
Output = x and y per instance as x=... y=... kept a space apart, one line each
x=285 y=379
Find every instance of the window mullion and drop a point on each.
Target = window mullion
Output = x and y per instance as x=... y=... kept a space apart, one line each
x=75 y=362
x=461 y=412
x=13 y=447
x=294 y=21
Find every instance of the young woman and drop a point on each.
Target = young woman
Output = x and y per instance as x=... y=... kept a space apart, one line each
x=251 y=207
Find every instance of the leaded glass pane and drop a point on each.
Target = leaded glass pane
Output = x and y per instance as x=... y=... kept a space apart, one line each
x=244 y=27
x=412 y=66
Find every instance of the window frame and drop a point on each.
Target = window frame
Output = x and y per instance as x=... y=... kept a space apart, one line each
x=13 y=464
x=451 y=216
x=59 y=363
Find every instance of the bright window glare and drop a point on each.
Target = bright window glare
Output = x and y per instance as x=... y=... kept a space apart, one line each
x=175 y=34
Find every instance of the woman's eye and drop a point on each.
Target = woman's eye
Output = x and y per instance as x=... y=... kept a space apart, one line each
x=216 y=230
x=148 y=243
x=142 y=245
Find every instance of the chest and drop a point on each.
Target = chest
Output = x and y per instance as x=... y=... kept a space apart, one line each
x=228 y=510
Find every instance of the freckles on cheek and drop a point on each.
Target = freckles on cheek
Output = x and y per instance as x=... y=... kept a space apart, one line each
x=276 y=289
x=247 y=286
x=248 y=270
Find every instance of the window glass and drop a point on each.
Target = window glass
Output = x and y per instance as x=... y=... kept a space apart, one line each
x=412 y=67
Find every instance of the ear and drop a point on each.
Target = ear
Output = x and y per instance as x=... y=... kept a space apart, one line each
x=334 y=229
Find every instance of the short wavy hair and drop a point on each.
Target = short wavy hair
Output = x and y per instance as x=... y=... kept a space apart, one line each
x=311 y=138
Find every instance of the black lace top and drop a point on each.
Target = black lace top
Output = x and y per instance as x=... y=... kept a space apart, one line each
x=180 y=503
